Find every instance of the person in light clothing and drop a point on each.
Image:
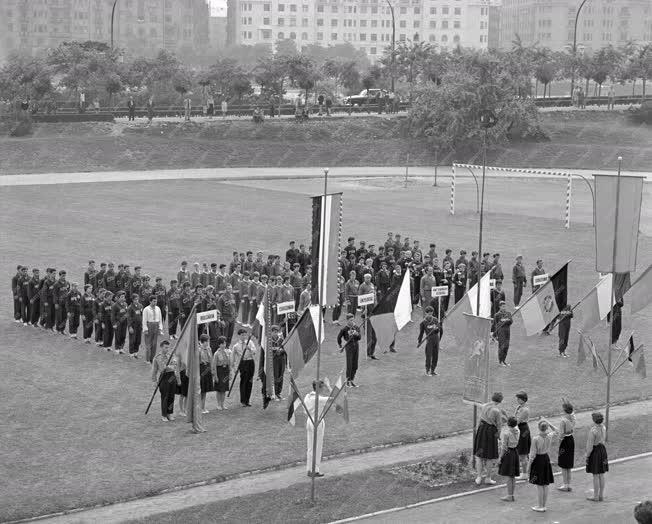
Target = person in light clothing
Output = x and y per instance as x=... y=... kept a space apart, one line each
x=152 y=327
x=246 y=365
x=319 y=387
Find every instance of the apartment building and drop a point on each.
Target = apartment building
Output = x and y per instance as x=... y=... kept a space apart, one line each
x=366 y=24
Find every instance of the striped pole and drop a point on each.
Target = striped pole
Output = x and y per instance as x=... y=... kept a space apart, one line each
x=452 y=209
x=569 y=192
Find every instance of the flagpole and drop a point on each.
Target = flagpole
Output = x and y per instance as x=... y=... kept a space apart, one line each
x=611 y=317
x=321 y=320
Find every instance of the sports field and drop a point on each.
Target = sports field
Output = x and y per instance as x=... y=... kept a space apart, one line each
x=74 y=430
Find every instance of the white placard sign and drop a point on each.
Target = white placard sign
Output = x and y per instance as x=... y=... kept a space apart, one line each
x=539 y=280
x=283 y=308
x=492 y=283
x=366 y=299
x=439 y=291
x=207 y=316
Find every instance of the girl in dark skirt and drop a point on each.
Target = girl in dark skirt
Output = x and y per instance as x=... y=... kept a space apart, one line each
x=597 y=462
x=566 y=456
x=522 y=415
x=509 y=461
x=485 y=442
x=205 y=373
x=221 y=371
x=182 y=390
x=540 y=468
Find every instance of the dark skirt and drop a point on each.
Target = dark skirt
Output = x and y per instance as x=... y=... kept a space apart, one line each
x=183 y=388
x=509 y=465
x=205 y=378
x=485 y=444
x=541 y=471
x=524 y=440
x=597 y=463
x=566 y=457
x=222 y=385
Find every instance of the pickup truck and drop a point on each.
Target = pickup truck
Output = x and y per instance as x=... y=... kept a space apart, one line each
x=366 y=96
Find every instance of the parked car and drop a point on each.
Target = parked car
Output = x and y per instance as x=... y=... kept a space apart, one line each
x=366 y=96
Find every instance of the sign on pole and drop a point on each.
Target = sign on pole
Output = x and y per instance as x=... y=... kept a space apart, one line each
x=492 y=283
x=440 y=291
x=207 y=316
x=540 y=280
x=283 y=308
x=366 y=299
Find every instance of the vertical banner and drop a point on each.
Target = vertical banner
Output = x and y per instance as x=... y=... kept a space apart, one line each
x=627 y=212
x=476 y=362
x=326 y=233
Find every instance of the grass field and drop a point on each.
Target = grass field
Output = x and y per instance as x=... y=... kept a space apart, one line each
x=591 y=139
x=74 y=427
x=375 y=490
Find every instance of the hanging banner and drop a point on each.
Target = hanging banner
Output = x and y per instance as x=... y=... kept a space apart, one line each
x=540 y=280
x=476 y=363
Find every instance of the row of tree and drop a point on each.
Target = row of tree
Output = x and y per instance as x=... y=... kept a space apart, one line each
x=103 y=73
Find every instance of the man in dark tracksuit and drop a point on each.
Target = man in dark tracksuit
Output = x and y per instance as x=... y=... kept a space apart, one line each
x=474 y=264
x=351 y=335
x=501 y=331
x=60 y=295
x=174 y=308
x=34 y=295
x=519 y=279
x=135 y=325
x=107 y=326
x=119 y=321
x=73 y=307
x=98 y=313
x=110 y=282
x=161 y=296
x=99 y=282
x=186 y=300
x=15 y=292
x=564 y=319
x=90 y=274
x=24 y=296
x=47 y=300
x=279 y=356
x=497 y=296
x=226 y=307
x=429 y=327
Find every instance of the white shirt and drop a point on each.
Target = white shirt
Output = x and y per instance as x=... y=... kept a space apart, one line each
x=152 y=315
x=309 y=401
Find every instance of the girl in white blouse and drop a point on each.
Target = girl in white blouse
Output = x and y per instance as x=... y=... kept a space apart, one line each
x=540 y=468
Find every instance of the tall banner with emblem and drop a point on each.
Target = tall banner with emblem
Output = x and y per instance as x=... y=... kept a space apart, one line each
x=476 y=362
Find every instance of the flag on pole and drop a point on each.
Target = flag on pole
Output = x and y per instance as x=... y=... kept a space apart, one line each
x=188 y=351
x=261 y=331
x=326 y=233
x=638 y=361
x=640 y=293
x=624 y=241
x=476 y=369
x=596 y=305
x=542 y=307
x=294 y=403
x=455 y=318
x=392 y=313
x=301 y=343
x=581 y=351
x=339 y=398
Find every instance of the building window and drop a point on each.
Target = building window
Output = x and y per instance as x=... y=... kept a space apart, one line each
x=444 y=24
x=293 y=8
x=401 y=37
x=320 y=36
x=415 y=25
x=320 y=22
x=281 y=7
x=267 y=34
x=333 y=9
x=374 y=23
x=456 y=24
x=305 y=8
x=363 y=23
x=417 y=10
x=363 y=37
x=333 y=36
x=444 y=10
x=293 y=22
x=363 y=10
x=265 y=21
x=433 y=24
x=334 y=22
x=320 y=8
x=304 y=22
x=444 y=38
x=433 y=38
x=281 y=35
x=293 y=36
x=458 y=11
x=456 y=39
x=373 y=37
x=304 y=36
x=403 y=10
x=372 y=50
x=374 y=10
x=281 y=21
x=402 y=23
x=267 y=7
x=433 y=10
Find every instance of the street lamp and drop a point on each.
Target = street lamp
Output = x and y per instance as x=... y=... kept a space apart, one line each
x=391 y=9
x=113 y=16
x=577 y=16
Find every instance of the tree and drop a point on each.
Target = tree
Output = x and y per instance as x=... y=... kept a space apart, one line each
x=345 y=73
x=546 y=67
x=286 y=47
x=604 y=64
x=25 y=77
x=411 y=59
x=227 y=78
x=270 y=73
x=302 y=72
x=636 y=63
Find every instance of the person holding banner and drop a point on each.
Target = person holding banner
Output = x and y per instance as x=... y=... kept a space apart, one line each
x=485 y=443
x=501 y=331
x=351 y=336
x=279 y=361
x=221 y=371
x=430 y=328
x=242 y=357
x=165 y=371
x=564 y=320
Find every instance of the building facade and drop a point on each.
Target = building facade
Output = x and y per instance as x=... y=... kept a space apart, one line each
x=366 y=24
x=140 y=26
x=551 y=23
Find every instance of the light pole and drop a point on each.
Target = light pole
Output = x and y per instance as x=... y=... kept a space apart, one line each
x=391 y=10
x=577 y=16
x=113 y=16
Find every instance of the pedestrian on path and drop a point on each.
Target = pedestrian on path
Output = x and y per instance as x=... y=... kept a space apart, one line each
x=540 y=468
x=597 y=462
x=509 y=461
x=566 y=455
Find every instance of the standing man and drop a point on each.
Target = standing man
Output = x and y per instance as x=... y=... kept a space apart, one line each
x=501 y=331
x=73 y=306
x=428 y=281
x=497 y=296
x=119 y=321
x=160 y=293
x=279 y=362
x=34 y=294
x=242 y=359
x=47 y=300
x=536 y=272
x=351 y=336
x=89 y=275
x=227 y=309
x=165 y=372
x=565 y=316
x=152 y=328
x=292 y=254
x=473 y=269
x=187 y=107
x=429 y=327
x=173 y=302
x=519 y=279
x=60 y=296
x=365 y=288
x=320 y=388
x=183 y=275
x=110 y=282
x=496 y=268
x=131 y=107
x=23 y=292
x=135 y=325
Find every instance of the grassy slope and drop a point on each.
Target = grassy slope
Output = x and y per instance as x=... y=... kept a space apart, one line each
x=75 y=428
x=375 y=490
x=581 y=140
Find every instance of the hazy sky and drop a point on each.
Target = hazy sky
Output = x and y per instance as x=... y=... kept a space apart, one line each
x=218 y=7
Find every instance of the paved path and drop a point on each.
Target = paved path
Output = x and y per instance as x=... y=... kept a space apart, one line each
x=626 y=486
x=253 y=173
x=274 y=480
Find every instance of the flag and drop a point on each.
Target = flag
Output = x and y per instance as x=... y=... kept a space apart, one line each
x=624 y=240
x=326 y=232
x=294 y=403
x=261 y=330
x=476 y=364
x=596 y=305
x=630 y=347
x=301 y=343
x=581 y=350
x=187 y=349
x=622 y=283
x=392 y=313
x=638 y=360
x=337 y=397
x=467 y=304
x=640 y=293
x=542 y=307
